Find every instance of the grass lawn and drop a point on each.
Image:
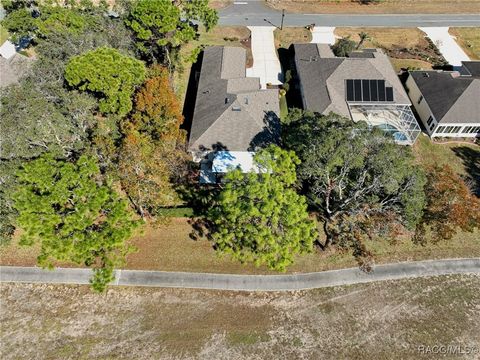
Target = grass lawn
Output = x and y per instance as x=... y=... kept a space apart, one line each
x=399 y=64
x=3 y=34
x=469 y=40
x=290 y=35
x=364 y=321
x=220 y=35
x=382 y=7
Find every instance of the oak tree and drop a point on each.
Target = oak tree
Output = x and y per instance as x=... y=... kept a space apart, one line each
x=356 y=177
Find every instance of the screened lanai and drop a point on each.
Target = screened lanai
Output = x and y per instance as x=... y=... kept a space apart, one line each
x=395 y=119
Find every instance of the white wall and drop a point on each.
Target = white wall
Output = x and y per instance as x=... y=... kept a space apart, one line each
x=422 y=109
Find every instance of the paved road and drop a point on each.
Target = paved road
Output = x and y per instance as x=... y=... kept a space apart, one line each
x=256 y=13
x=247 y=282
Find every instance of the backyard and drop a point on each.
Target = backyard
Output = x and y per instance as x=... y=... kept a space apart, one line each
x=169 y=247
x=363 y=321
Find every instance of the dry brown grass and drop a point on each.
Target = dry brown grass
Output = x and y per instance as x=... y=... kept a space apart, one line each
x=407 y=47
x=367 y=321
x=469 y=40
x=170 y=248
x=383 y=7
x=219 y=4
x=399 y=64
x=291 y=35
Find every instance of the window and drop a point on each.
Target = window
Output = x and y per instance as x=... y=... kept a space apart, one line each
x=420 y=99
x=429 y=121
x=440 y=130
x=432 y=126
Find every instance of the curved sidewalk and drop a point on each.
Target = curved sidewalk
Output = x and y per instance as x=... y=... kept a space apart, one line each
x=286 y=282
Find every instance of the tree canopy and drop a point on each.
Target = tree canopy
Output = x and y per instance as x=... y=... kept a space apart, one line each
x=107 y=72
x=355 y=177
x=32 y=124
x=75 y=217
x=259 y=217
x=151 y=155
x=160 y=26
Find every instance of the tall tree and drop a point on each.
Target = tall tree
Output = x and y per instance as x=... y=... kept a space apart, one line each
x=451 y=206
x=259 y=217
x=354 y=176
x=161 y=26
x=152 y=154
x=75 y=217
x=107 y=72
x=8 y=214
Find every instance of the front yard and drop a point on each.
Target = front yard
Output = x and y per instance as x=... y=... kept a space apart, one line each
x=406 y=47
x=469 y=39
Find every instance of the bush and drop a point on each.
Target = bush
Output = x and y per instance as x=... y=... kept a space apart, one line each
x=343 y=47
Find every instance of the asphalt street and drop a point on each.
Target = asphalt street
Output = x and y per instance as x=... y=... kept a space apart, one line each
x=256 y=13
x=289 y=282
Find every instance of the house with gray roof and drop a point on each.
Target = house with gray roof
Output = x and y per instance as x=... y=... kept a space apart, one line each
x=232 y=116
x=363 y=87
x=448 y=102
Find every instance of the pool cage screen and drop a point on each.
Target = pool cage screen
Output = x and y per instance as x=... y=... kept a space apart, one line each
x=395 y=119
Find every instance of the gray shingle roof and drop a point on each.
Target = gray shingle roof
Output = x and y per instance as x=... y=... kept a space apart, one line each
x=322 y=79
x=451 y=99
x=230 y=110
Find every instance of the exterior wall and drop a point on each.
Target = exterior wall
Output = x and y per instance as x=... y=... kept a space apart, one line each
x=462 y=128
x=422 y=108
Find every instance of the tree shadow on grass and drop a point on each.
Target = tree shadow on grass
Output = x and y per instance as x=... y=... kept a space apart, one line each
x=471 y=160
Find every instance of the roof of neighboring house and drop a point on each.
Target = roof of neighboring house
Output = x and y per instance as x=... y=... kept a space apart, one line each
x=14 y=68
x=472 y=68
x=323 y=76
x=451 y=98
x=231 y=111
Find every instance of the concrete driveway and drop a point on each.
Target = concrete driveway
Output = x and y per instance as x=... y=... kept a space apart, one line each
x=266 y=65
x=323 y=35
x=447 y=45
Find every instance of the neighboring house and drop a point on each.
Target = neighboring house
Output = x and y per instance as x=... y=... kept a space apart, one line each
x=363 y=86
x=447 y=102
x=232 y=115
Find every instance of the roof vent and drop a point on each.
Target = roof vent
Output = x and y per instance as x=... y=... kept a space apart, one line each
x=426 y=75
x=227 y=100
x=246 y=101
x=236 y=108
